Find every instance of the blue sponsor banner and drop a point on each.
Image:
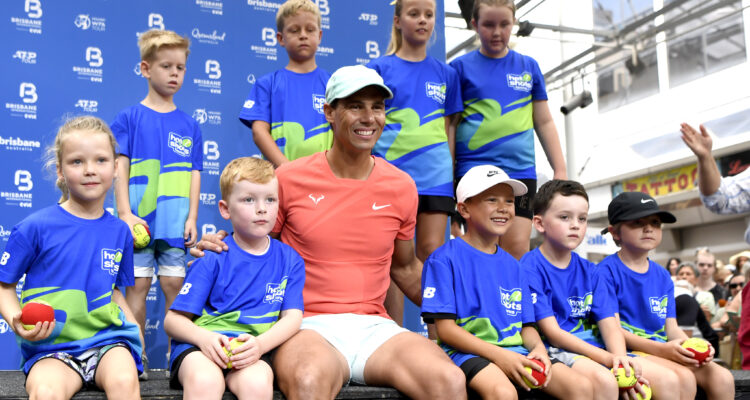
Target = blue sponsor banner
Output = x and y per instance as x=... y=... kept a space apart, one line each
x=63 y=58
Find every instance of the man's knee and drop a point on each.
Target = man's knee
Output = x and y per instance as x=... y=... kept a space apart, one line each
x=447 y=383
x=307 y=380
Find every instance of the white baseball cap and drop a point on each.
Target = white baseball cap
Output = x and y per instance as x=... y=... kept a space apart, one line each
x=482 y=177
x=348 y=80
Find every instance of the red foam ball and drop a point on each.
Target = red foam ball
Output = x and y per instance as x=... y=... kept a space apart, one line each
x=36 y=311
x=539 y=376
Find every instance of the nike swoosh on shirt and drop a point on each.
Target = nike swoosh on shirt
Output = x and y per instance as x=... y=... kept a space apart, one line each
x=377 y=207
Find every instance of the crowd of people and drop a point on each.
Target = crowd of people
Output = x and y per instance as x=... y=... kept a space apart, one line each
x=344 y=218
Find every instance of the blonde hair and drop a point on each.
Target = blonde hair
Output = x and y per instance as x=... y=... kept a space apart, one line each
x=53 y=154
x=396 y=41
x=293 y=7
x=156 y=39
x=250 y=169
x=492 y=3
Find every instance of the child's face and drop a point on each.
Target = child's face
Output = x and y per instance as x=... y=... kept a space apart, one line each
x=252 y=207
x=640 y=235
x=416 y=22
x=490 y=213
x=564 y=223
x=301 y=36
x=88 y=166
x=494 y=28
x=166 y=72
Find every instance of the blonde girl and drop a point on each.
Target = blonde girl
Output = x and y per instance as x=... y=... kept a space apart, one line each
x=75 y=255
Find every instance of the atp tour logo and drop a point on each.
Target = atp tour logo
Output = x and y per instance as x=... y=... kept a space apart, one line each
x=211 y=6
x=522 y=82
x=26 y=57
x=156 y=21
x=511 y=300
x=111 y=260
x=435 y=91
x=580 y=306
x=211 y=156
x=85 y=22
x=89 y=106
x=325 y=11
x=91 y=71
x=275 y=292
x=27 y=107
x=658 y=306
x=182 y=146
x=371 y=19
x=318 y=101
x=32 y=22
x=208 y=199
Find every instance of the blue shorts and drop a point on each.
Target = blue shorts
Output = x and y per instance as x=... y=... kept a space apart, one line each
x=170 y=260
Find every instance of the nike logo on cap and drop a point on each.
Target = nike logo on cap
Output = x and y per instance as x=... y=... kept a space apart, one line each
x=377 y=207
x=491 y=173
x=644 y=201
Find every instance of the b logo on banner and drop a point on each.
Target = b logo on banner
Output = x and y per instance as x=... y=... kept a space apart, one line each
x=269 y=36
x=372 y=49
x=94 y=56
x=155 y=21
x=22 y=180
x=33 y=8
x=323 y=7
x=27 y=92
x=213 y=69
x=211 y=150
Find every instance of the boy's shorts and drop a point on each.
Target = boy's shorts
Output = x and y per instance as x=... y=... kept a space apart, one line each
x=355 y=336
x=84 y=364
x=174 y=372
x=472 y=366
x=171 y=260
x=443 y=204
x=563 y=356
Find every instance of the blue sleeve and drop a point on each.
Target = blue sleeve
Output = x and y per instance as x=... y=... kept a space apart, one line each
x=375 y=64
x=195 y=291
x=19 y=255
x=257 y=106
x=604 y=304
x=671 y=305
x=527 y=306
x=126 y=274
x=121 y=130
x=539 y=89
x=295 y=282
x=540 y=299
x=453 y=101
x=438 y=297
x=197 y=147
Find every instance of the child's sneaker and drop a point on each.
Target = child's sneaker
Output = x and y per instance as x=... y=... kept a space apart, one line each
x=144 y=375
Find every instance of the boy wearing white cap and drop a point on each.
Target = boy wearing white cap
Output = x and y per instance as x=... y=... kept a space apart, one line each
x=478 y=297
x=644 y=293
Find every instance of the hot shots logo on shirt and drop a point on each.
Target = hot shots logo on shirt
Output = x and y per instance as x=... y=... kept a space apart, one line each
x=580 y=306
x=511 y=300
x=275 y=292
x=180 y=145
x=520 y=82
x=435 y=91
x=658 y=306
x=111 y=260
x=318 y=101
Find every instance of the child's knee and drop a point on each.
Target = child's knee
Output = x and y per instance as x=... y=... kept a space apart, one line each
x=502 y=392
x=45 y=391
x=605 y=382
x=121 y=383
x=203 y=384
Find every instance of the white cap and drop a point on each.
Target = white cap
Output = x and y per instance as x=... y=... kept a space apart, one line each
x=348 y=80
x=482 y=177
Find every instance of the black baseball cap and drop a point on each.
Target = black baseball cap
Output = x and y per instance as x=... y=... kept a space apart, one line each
x=629 y=206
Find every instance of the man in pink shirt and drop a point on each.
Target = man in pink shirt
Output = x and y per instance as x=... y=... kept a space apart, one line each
x=351 y=216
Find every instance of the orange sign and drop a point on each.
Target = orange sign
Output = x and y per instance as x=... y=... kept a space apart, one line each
x=663 y=183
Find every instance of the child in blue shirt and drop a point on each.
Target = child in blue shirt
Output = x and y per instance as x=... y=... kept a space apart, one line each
x=505 y=102
x=161 y=156
x=571 y=308
x=251 y=293
x=478 y=296
x=285 y=108
x=644 y=292
x=75 y=256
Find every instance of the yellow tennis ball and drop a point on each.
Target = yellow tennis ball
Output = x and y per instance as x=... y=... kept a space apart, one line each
x=647 y=389
x=625 y=382
x=141 y=237
x=233 y=344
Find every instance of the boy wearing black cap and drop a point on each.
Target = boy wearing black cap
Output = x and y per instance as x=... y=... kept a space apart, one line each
x=645 y=295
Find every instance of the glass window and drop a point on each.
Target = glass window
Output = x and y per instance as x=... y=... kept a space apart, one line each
x=708 y=43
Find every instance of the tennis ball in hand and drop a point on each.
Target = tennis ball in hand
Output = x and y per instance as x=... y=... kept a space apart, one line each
x=36 y=311
x=647 y=389
x=625 y=382
x=539 y=376
x=141 y=237
x=233 y=344
x=699 y=347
